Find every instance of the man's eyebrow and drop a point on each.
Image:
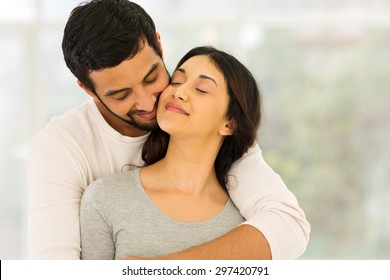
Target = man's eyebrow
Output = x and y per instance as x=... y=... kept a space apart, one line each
x=152 y=69
x=200 y=76
x=113 y=92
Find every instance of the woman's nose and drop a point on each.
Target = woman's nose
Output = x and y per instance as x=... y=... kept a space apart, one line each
x=180 y=92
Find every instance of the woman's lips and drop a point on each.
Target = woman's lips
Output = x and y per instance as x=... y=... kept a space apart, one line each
x=173 y=107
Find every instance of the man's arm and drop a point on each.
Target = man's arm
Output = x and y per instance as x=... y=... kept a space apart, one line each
x=244 y=242
x=267 y=204
x=276 y=227
x=54 y=200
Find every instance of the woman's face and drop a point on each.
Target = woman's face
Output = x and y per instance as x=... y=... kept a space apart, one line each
x=196 y=101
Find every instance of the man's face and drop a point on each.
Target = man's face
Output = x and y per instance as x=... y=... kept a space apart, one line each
x=127 y=94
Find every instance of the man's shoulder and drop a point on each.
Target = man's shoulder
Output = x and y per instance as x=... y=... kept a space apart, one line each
x=76 y=121
x=74 y=117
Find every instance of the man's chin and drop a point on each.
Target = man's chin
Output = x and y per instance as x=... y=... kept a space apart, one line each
x=144 y=125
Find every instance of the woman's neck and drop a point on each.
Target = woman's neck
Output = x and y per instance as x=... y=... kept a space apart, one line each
x=184 y=185
x=189 y=165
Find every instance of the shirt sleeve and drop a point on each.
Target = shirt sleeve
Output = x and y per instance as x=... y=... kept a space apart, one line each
x=56 y=185
x=96 y=234
x=266 y=203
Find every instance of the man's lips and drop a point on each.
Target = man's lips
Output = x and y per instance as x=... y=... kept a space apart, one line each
x=173 y=107
x=147 y=115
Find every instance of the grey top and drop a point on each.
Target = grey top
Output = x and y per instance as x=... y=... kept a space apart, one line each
x=119 y=219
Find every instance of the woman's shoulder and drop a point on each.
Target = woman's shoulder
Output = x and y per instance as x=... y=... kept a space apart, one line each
x=120 y=178
x=116 y=184
x=231 y=214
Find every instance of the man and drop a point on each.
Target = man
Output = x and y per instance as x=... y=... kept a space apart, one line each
x=113 y=49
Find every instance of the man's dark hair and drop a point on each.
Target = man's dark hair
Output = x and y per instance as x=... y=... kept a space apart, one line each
x=102 y=33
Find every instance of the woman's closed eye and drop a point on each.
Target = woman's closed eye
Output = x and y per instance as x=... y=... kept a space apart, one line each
x=176 y=81
x=201 y=90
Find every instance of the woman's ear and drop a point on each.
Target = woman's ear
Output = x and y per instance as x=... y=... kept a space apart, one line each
x=229 y=128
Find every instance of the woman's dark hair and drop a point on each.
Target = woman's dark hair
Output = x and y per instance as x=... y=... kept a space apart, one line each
x=244 y=112
x=102 y=33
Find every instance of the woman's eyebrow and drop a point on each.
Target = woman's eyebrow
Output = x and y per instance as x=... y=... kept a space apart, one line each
x=200 y=76
x=208 y=78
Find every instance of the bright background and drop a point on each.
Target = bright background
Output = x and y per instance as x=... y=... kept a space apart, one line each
x=324 y=70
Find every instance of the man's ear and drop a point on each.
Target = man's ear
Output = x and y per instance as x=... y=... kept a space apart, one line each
x=160 y=44
x=85 y=88
x=229 y=128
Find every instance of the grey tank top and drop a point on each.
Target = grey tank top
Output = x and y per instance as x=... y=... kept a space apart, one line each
x=119 y=219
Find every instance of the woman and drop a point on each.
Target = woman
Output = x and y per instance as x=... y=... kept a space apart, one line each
x=209 y=116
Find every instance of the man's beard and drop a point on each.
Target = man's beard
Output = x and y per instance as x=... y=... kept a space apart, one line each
x=150 y=126
x=146 y=126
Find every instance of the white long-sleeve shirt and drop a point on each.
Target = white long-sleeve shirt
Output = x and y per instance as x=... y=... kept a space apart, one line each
x=79 y=147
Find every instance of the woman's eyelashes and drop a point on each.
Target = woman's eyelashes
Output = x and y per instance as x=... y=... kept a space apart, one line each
x=201 y=90
x=175 y=81
x=180 y=82
x=199 y=85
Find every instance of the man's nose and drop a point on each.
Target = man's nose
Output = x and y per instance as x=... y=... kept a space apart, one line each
x=146 y=101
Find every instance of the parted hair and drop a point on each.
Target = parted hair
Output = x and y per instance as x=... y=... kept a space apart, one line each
x=244 y=112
